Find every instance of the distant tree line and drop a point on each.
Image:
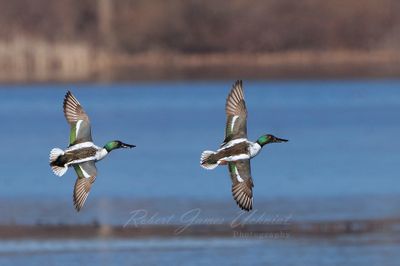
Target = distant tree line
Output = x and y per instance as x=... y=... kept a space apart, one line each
x=195 y=26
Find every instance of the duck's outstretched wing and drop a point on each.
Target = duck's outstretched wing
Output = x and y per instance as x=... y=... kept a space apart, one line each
x=78 y=120
x=242 y=184
x=236 y=112
x=87 y=173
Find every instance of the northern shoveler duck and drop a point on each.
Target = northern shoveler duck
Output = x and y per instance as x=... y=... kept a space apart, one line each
x=82 y=153
x=236 y=151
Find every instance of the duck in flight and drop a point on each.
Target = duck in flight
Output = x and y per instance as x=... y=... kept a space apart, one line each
x=82 y=153
x=236 y=150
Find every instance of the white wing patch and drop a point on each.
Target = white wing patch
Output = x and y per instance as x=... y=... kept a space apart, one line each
x=78 y=126
x=85 y=174
x=233 y=122
x=238 y=177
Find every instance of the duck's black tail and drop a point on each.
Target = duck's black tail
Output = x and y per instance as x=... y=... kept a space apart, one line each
x=54 y=154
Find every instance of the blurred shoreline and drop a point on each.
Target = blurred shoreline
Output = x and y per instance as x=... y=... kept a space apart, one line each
x=30 y=62
x=278 y=231
x=287 y=65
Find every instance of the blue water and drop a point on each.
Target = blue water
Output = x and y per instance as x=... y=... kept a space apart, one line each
x=222 y=251
x=343 y=141
x=341 y=162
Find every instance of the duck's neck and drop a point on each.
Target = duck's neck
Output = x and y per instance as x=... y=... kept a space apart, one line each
x=263 y=140
x=111 y=145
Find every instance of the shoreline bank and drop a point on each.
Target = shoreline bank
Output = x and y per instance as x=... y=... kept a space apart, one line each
x=30 y=63
x=301 y=229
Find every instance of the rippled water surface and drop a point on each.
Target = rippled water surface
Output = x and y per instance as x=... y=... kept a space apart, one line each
x=342 y=162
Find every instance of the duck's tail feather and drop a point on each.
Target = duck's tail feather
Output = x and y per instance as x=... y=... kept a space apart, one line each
x=206 y=160
x=59 y=170
x=54 y=154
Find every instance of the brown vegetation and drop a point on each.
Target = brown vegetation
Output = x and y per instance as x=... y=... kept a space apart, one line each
x=106 y=39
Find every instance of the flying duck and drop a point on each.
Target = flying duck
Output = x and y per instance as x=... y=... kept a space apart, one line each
x=82 y=153
x=236 y=150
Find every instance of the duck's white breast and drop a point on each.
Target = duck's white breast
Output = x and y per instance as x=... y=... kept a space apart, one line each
x=254 y=149
x=101 y=153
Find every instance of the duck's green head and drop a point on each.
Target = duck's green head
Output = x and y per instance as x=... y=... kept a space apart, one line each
x=116 y=144
x=268 y=138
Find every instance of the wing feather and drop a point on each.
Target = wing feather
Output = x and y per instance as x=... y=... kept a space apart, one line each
x=86 y=173
x=78 y=120
x=73 y=110
x=242 y=183
x=236 y=112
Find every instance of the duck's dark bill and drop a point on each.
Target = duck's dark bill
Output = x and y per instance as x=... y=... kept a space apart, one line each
x=278 y=140
x=124 y=145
